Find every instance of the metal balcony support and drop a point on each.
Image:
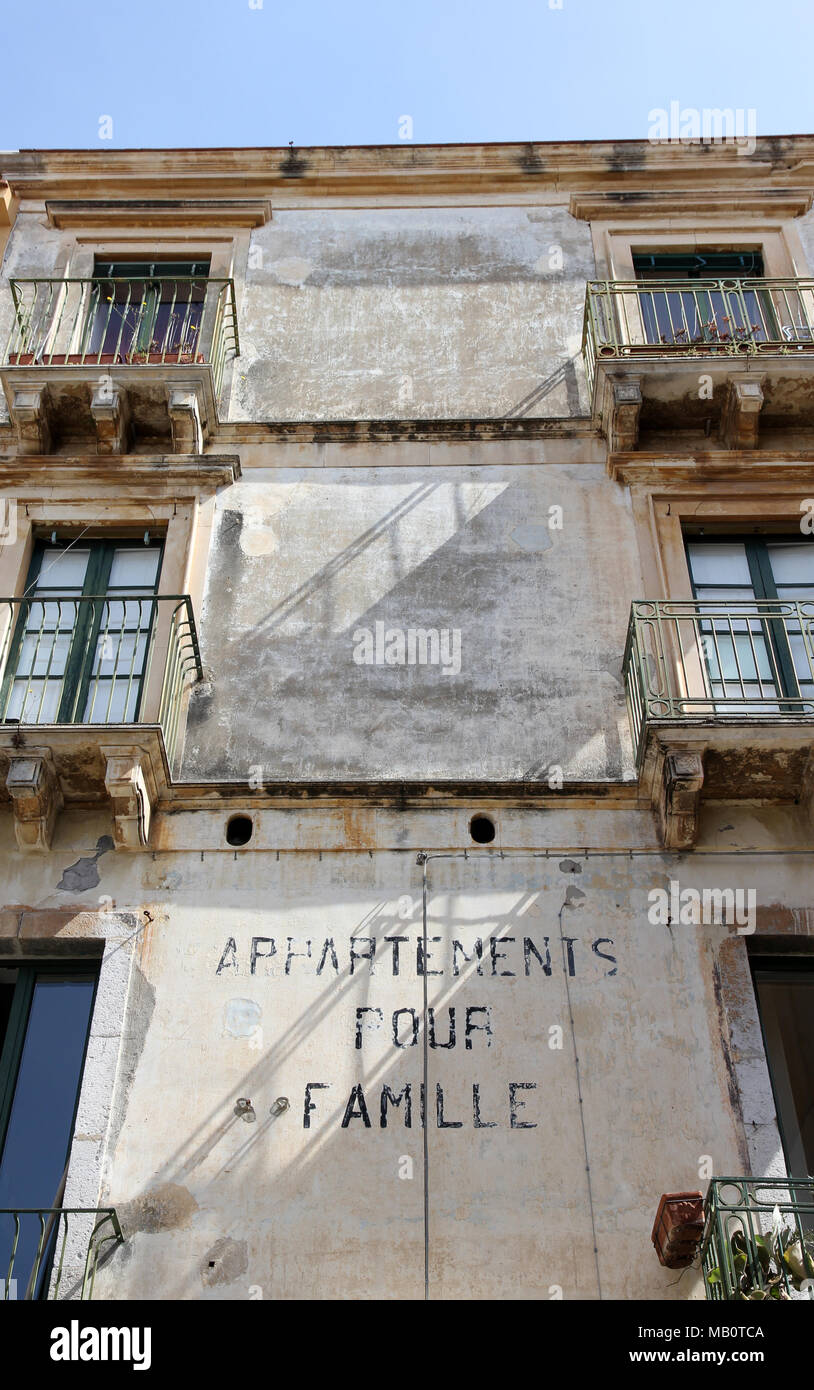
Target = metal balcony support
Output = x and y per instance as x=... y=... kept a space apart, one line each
x=758 y=1240
x=68 y=1245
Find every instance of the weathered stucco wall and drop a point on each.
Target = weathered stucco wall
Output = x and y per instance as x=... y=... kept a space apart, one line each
x=303 y=560
x=215 y=1206
x=413 y=313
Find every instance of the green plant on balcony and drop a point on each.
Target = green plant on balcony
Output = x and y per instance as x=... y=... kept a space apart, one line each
x=765 y=1266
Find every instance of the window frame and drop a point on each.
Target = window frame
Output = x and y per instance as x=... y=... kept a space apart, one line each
x=85 y=633
x=763 y=584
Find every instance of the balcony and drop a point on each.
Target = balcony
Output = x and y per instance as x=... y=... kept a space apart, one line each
x=724 y=355
x=92 y=706
x=721 y=702
x=118 y=361
x=758 y=1240
x=55 y=1252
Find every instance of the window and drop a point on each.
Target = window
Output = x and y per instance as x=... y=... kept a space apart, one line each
x=785 y=994
x=80 y=649
x=145 y=310
x=706 y=311
x=45 y=1013
x=757 y=650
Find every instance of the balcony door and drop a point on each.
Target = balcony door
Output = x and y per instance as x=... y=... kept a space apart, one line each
x=705 y=312
x=45 y=1013
x=142 y=310
x=785 y=994
x=80 y=648
x=757 y=624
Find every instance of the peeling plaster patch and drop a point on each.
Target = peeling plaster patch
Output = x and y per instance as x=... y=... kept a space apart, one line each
x=163 y=1208
x=573 y=896
x=225 y=1262
x=532 y=537
x=241 y=1017
x=292 y=270
x=83 y=875
x=570 y=866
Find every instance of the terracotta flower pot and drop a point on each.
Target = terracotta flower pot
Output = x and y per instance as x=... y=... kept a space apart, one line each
x=678 y=1228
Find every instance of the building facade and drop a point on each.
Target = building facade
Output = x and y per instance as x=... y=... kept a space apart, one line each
x=407 y=621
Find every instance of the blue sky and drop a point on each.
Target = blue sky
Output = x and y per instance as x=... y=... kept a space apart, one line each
x=219 y=72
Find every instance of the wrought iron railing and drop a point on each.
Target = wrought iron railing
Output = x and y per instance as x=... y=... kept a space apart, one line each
x=36 y=1240
x=702 y=658
x=103 y=322
x=758 y=1240
x=95 y=659
x=685 y=318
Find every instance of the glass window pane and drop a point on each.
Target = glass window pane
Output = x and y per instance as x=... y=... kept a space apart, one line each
x=41 y=1120
x=62 y=568
x=134 y=569
x=792 y=563
x=720 y=563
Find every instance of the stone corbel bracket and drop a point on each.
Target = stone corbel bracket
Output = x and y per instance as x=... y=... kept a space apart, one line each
x=111 y=416
x=187 y=411
x=676 y=796
x=621 y=408
x=33 y=786
x=740 y=418
x=131 y=785
x=30 y=413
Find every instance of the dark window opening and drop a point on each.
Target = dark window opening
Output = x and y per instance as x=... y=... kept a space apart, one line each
x=145 y=310
x=47 y=1015
x=706 y=312
x=784 y=987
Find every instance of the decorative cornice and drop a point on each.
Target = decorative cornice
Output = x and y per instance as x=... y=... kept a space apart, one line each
x=184 y=473
x=790 y=469
x=473 y=431
x=395 y=795
x=691 y=203
x=554 y=169
x=126 y=213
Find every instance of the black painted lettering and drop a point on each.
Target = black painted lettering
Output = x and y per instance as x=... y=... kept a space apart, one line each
x=362 y=955
x=515 y=1104
x=370 y=1026
x=290 y=955
x=478 y=1122
x=529 y=950
x=439 y=1109
x=422 y=960
x=431 y=1030
x=387 y=1097
x=603 y=955
x=413 y=1038
x=228 y=960
x=309 y=1104
x=356 y=1108
x=499 y=955
x=569 y=947
x=472 y=1027
x=477 y=950
x=397 y=942
x=324 y=956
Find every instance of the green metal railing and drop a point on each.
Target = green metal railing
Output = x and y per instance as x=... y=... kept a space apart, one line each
x=42 y=1240
x=758 y=1240
x=706 y=658
x=88 y=660
x=104 y=322
x=686 y=318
